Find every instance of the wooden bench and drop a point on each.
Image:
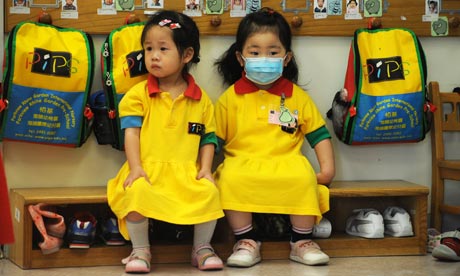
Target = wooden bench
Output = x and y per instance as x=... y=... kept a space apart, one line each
x=345 y=196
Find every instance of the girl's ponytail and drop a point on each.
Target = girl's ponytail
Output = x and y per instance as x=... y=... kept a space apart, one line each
x=228 y=66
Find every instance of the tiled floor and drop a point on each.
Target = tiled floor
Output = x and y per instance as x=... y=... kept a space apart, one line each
x=375 y=266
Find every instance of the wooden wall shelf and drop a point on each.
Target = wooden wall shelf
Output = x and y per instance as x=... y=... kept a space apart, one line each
x=407 y=14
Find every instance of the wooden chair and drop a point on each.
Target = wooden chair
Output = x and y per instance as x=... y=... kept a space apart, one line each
x=443 y=169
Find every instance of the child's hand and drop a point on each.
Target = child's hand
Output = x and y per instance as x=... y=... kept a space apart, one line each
x=134 y=174
x=205 y=174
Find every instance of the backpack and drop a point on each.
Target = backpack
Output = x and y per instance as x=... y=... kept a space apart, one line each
x=47 y=79
x=384 y=97
x=122 y=66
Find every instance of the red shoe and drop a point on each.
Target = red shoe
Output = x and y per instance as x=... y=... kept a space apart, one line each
x=449 y=249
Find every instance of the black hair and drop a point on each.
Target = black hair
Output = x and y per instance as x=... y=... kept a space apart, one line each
x=265 y=19
x=349 y=2
x=187 y=35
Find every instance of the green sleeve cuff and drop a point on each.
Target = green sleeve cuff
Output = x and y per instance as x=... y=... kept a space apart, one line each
x=317 y=136
x=220 y=144
x=209 y=138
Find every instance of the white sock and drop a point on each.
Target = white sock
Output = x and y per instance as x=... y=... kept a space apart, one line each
x=203 y=233
x=139 y=233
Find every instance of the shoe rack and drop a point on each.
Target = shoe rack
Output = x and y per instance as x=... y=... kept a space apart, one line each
x=344 y=197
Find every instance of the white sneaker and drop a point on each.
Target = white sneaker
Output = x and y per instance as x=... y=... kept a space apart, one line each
x=323 y=229
x=397 y=222
x=246 y=253
x=308 y=252
x=366 y=223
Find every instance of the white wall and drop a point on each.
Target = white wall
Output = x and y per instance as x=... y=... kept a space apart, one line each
x=322 y=62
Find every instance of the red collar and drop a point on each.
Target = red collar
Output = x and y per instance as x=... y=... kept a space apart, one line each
x=282 y=85
x=193 y=91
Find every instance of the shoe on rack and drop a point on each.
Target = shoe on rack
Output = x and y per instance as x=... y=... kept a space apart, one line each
x=449 y=249
x=323 y=229
x=110 y=233
x=82 y=230
x=50 y=225
x=366 y=223
x=397 y=222
x=246 y=253
x=308 y=252
x=206 y=261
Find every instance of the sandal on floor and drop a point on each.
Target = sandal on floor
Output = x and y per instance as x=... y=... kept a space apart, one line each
x=138 y=261
x=206 y=261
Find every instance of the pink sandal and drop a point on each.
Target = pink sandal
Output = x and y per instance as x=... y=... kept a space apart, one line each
x=206 y=261
x=138 y=261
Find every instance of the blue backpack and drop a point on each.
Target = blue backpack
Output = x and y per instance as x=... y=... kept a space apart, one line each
x=384 y=96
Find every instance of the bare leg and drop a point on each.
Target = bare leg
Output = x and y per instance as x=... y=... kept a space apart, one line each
x=238 y=220
x=134 y=216
x=302 y=222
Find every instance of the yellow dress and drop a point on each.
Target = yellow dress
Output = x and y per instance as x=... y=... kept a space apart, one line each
x=264 y=170
x=169 y=149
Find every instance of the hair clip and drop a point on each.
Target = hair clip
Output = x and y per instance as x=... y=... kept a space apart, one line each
x=172 y=26
x=164 y=22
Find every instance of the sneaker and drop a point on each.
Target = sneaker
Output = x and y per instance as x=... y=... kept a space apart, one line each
x=323 y=229
x=82 y=230
x=110 y=233
x=449 y=249
x=308 y=252
x=366 y=223
x=397 y=222
x=246 y=253
x=434 y=239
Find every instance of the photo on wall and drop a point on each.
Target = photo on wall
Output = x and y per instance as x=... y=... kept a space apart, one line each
x=155 y=4
x=69 y=5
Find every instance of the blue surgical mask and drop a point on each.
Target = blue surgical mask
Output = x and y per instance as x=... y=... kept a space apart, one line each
x=263 y=70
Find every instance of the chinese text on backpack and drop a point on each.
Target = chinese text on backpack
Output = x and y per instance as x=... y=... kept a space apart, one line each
x=122 y=60
x=384 y=96
x=47 y=79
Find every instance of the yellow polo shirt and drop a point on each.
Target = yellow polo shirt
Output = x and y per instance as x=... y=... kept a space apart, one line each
x=264 y=169
x=170 y=136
